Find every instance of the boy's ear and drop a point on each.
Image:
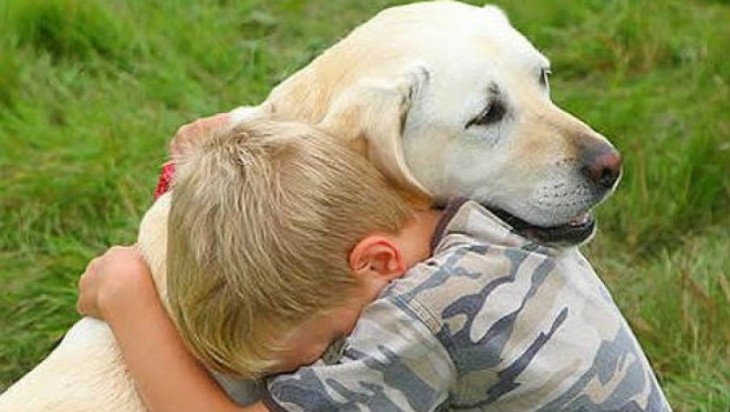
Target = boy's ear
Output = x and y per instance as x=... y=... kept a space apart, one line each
x=377 y=258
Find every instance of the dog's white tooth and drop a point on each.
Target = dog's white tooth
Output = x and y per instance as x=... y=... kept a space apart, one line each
x=579 y=220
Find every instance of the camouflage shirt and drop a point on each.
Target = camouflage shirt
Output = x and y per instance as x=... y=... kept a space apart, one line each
x=491 y=322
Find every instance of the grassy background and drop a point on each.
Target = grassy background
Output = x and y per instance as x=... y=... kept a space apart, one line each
x=90 y=91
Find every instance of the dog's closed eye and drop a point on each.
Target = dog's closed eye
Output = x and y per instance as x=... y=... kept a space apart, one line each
x=545 y=73
x=494 y=111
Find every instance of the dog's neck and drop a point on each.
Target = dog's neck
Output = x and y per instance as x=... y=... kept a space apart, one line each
x=152 y=242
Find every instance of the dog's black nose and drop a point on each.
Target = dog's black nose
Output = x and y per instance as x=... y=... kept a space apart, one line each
x=603 y=168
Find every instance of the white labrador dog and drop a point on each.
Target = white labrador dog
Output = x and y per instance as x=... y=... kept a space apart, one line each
x=447 y=100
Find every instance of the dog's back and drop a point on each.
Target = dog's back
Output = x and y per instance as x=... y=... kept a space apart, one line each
x=86 y=371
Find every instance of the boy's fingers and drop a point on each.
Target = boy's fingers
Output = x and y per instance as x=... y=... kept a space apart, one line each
x=89 y=280
x=83 y=286
x=80 y=301
x=187 y=134
x=80 y=307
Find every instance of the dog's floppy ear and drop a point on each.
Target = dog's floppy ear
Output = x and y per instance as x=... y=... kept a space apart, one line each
x=370 y=117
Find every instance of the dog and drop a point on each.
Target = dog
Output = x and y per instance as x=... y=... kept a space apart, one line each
x=450 y=100
x=446 y=99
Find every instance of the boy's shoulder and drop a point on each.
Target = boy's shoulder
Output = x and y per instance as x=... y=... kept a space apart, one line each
x=491 y=321
x=474 y=254
x=513 y=315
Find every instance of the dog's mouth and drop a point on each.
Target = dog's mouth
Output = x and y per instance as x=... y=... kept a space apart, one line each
x=576 y=231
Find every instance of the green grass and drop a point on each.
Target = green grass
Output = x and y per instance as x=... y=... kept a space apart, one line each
x=91 y=90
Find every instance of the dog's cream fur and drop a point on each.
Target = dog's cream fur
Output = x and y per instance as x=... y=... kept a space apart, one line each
x=402 y=89
x=86 y=372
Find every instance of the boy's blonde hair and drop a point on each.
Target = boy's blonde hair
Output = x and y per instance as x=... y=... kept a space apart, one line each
x=262 y=221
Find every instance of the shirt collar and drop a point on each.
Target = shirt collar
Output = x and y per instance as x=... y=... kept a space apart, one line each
x=466 y=217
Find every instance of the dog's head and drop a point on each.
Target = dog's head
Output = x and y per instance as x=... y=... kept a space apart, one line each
x=450 y=100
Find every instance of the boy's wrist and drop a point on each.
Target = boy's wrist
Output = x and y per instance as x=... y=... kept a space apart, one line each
x=128 y=293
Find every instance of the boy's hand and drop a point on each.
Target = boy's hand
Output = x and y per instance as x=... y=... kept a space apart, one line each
x=112 y=281
x=118 y=287
x=186 y=136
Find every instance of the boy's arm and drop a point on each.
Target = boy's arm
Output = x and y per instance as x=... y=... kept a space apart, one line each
x=391 y=361
x=118 y=288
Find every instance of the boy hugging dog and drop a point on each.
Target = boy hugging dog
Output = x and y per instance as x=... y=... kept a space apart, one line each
x=283 y=243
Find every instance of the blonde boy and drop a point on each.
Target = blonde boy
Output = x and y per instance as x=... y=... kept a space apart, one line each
x=261 y=223
x=492 y=321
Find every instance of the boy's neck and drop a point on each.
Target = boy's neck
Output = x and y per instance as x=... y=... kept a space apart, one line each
x=408 y=247
x=413 y=242
x=415 y=238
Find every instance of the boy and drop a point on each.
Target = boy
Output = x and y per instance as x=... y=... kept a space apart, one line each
x=492 y=321
x=259 y=220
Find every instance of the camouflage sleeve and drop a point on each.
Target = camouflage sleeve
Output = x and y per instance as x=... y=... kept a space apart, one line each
x=391 y=362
